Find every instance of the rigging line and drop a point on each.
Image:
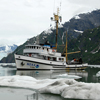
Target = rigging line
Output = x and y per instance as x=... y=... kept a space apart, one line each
x=54 y=7
x=60 y=5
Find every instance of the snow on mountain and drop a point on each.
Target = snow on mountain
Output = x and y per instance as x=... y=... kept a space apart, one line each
x=77 y=17
x=78 y=31
x=6 y=46
x=51 y=28
x=48 y=31
x=6 y=49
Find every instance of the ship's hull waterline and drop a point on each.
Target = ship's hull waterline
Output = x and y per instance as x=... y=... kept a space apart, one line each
x=29 y=63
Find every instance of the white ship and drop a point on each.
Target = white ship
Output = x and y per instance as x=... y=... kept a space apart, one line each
x=44 y=56
x=40 y=57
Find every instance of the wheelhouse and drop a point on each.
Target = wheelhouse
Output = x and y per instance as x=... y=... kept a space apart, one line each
x=45 y=52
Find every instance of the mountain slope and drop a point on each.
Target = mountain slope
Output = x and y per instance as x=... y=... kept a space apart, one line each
x=75 y=27
x=82 y=22
x=89 y=45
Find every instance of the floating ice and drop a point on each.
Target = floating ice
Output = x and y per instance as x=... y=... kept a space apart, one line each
x=73 y=89
x=24 y=81
x=68 y=76
x=67 y=88
x=98 y=74
x=94 y=66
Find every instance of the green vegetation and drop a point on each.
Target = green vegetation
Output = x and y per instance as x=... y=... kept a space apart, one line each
x=88 y=43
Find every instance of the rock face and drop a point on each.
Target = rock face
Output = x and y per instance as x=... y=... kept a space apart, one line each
x=82 y=22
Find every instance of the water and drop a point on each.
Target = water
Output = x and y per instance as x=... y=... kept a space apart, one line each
x=8 y=93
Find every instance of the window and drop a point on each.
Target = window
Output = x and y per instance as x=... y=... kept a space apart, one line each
x=48 y=58
x=62 y=59
x=47 y=49
x=59 y=58
x=54 y=59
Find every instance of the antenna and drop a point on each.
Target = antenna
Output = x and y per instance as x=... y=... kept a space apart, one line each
x=56 y=18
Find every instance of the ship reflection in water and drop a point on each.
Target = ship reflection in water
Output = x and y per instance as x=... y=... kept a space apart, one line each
x=39 y=74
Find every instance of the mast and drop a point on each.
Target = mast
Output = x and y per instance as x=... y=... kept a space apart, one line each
x=56 y=18
x=66 y=47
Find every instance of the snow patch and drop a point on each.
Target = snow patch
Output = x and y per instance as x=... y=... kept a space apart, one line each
x=63 y=38
x=78 y=31
x=48 y=31
x=94 y=52
x=77 y=17
x=98 y=74
x=90 y=39
x=60 y=26
x=8 y=49
x=85 y=50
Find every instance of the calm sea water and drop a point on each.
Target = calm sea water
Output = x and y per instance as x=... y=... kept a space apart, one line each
x=7 y=93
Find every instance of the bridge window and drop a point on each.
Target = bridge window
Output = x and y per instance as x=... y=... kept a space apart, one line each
x=54 y=59
x=62 y=59
x=59 y=58
x=48 y=58
x=47 y=49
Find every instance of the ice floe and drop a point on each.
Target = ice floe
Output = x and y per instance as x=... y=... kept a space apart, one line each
x=98 y=74
x=67 y=76
x=67 y=88
x=73 y=89
x=94 y=66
